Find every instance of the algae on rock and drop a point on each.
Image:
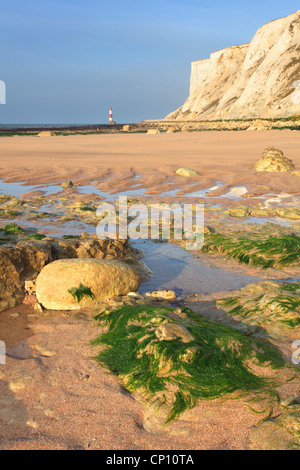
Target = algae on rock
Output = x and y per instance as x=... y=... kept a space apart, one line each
x=270 y=305
x=281 y=433
x=175 y=358
x=273 y=160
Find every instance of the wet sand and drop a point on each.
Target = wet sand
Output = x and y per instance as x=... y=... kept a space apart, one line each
x=114 y=160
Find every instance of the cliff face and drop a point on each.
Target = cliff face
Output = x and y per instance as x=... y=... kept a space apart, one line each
x=256 y=80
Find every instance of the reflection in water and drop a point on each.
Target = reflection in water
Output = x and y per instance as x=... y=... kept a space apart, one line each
x=176 y=269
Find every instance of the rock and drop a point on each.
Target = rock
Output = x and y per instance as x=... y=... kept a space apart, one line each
x=20 y=351
x=67 y=184
x=284 y=212
x=259 y=125
x=288 y=212
x=291 y=400
x=169 y=331
x=271 y=305
x=45 y=134
x=241 y=211
x=273 y=160
x=187 y=172
x=162 y=295
x=17 y=263
x=20 y=381
x=281 y=433
x=50 y=414
x=32 y=424
x=250 y=80
x=30 y=287
x=44 y=351
x=38 y=307
x=153 y=131
x=73 y=283
x=296 y=173
x=126 y=128
x=23 y=261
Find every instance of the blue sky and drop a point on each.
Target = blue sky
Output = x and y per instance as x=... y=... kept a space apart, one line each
x=67 y=61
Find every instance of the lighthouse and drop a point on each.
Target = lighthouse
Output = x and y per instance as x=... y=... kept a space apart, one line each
x=111 y=121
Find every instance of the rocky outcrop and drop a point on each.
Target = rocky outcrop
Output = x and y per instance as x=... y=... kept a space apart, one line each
x=70 y=284
x=260 y=79
x=270 y=305
x=24 y=260
x=273 y=160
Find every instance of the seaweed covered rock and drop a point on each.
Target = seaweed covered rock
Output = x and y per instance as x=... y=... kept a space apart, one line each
x=281 y=433
x=67 y=184
x=284 y=212
x=264 y=251
x=271 y=305
x=70 y=284
x=23 y=257
x=273 y=160
x=187 y=172
x=240 y=211
x=172 y=358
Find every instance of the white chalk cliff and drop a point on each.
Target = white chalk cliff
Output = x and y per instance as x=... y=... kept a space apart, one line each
x=256 y=80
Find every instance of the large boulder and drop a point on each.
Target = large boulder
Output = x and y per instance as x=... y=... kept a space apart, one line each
x=273 y=160
x=24 y=260
x=70 y=284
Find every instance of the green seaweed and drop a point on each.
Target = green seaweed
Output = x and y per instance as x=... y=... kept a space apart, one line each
x=214 y=364
x=279 y=303
x=88 y=209
x=13 y=229
x=82 y=291
x=36 y=236
x=266 y=253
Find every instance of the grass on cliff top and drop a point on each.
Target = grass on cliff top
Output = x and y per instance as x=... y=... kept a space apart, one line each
x=269 y=252
x=177 y=374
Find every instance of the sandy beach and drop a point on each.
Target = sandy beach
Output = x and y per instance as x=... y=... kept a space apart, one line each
x=53 y=394
x=117 y=159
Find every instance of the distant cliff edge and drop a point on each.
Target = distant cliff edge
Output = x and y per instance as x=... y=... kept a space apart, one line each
x=256 y=80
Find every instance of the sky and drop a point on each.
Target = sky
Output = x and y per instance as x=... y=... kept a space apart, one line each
x=67 y=61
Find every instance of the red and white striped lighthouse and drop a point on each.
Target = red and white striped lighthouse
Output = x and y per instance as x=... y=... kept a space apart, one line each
x=111 y=121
